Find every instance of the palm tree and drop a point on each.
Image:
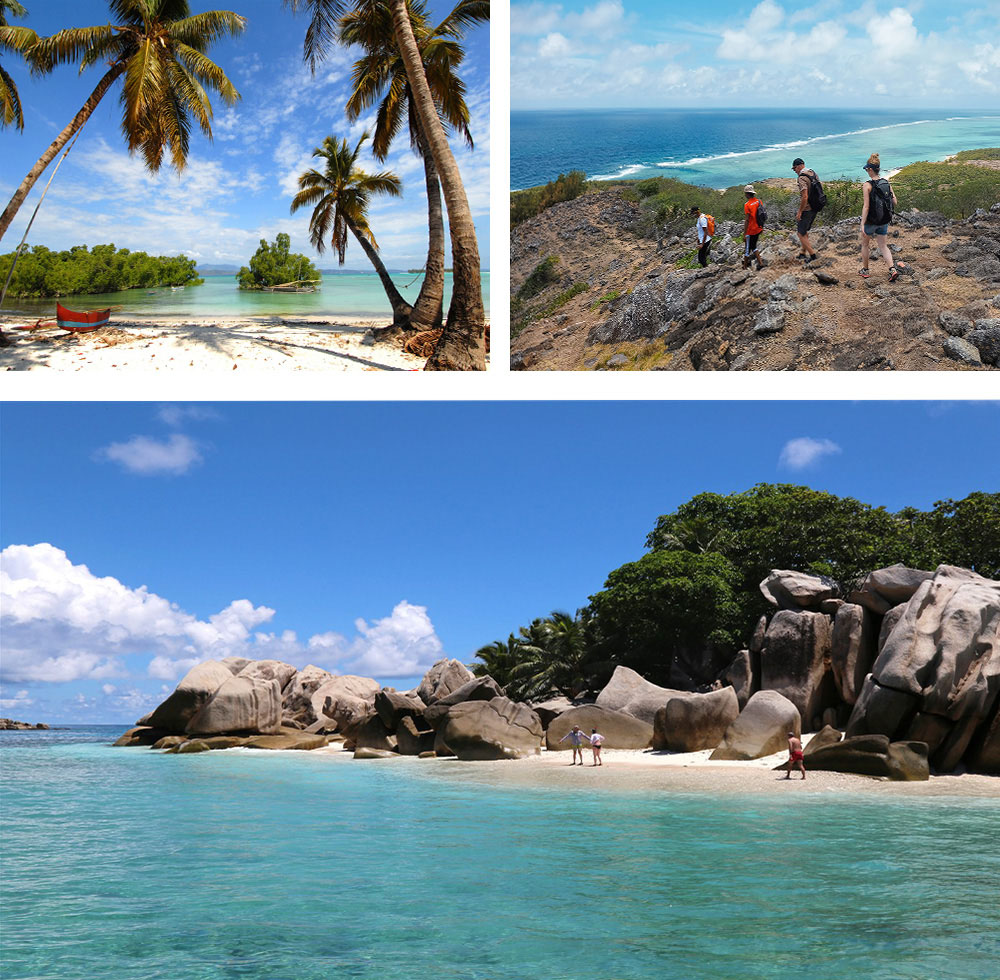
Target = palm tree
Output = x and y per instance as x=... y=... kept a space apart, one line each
x=380 y=78
x=340 y=196
x=18 y=40
x=463 y=343
x=158 y=49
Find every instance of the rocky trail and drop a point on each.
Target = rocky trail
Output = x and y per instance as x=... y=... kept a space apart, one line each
x=622 y=301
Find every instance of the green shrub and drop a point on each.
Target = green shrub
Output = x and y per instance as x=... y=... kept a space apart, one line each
x=956 y=190
x=606 y=298
x=527 y=203
x=992 y=153
x=541 y=277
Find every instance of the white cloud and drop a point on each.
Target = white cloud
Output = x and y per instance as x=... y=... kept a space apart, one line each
x=800 y=453
x=19 y=700
x=555 y=45
x=150 y=457
x=894 y=35
x=177 y=415
x=96 y=623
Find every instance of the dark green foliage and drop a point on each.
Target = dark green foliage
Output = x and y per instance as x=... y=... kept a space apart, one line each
x=273 y=265
x=991 y=153
x=542 y=276
x=683 y=609
x=104 y=269
x=955 y=190
x=527 y=203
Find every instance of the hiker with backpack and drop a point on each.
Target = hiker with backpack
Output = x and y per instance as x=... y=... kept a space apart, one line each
x=879 y=206
x=705 y=227
x=753 y=226
x=812 y=200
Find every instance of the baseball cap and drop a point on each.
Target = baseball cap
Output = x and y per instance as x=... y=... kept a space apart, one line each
x=797 y=161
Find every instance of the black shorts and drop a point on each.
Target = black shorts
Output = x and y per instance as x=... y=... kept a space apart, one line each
x=751 y=245
x=806 y=222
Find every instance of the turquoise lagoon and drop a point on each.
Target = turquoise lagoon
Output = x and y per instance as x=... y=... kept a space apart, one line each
x=351 y=295
x=125 y=863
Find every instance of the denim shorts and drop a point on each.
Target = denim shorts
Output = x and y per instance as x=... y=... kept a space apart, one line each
x=876 y=230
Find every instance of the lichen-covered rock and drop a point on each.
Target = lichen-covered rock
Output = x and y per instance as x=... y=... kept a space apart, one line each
x=631 y=693
x=497 y=729
x=797 y=590
x=795 y=661
x=241 y=704
x=620 y=730
x=442 y=679
x=761 y=729
x=692 y=722
x=196 y=689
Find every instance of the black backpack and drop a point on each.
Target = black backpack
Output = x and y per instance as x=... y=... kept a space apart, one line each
x=817 y=196
x=880 y=202
x=761 y=213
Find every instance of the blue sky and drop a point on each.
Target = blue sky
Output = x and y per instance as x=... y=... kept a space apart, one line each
x=236 y=189
x=375 y=538
x=846 y=54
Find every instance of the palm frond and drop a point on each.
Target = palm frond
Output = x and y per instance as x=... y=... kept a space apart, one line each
x=202 y=30
x=10 y=102
x=85 y=44
x=208 y=72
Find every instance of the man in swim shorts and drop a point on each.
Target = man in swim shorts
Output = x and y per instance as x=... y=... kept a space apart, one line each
x=794 y=756
x=596 y=741
x=805 y=216
x=576 y=739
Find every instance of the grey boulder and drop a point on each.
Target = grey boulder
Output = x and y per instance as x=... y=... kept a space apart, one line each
x=196 y=689
x=797 y=590
x=873 y=755
x=631 y=693
x=795 y=659
x=241 y=704
x=442 y=679
x=761 y=729
x=692 y=722
x=489 y=730
x=620 y=730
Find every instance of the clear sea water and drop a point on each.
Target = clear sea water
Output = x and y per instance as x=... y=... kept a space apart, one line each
x=349 y=295
x=723 y=147
x=126 y=863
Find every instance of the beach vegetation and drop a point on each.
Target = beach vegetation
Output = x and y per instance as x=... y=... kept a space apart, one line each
x=42 y=273
x=533 y=201
x=954 y=190
x=19 y=41
x=696 y=590
x=541 y=277
x=379 y=78
x=339 y=195
x=273 y=265
x=462 y=344
x=157 y=49
x=988 y=153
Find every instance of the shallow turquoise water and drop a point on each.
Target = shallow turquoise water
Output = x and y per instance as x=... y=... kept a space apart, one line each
x=123 y=863
x=344 y=294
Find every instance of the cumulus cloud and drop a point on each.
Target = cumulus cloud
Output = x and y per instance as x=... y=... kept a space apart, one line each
x=894 y=35
x=797 y=454
x=61 y=623
x=147 y=456
x=177 y=415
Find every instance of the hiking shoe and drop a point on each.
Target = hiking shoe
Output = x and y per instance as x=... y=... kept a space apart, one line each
x=810 y=258
x=893 y=274
x=864 y=273
x=760 y=264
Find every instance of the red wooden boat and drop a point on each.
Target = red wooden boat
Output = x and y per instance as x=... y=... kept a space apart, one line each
x=80 y=322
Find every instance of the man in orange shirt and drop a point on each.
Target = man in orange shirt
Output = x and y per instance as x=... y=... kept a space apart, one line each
x=752 y=229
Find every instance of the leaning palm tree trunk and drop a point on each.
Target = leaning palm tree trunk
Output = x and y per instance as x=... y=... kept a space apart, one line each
x=57 y=144
x=428 y=309
x=400 y=308
x=463 y=343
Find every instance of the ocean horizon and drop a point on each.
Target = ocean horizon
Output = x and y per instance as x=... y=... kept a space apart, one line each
x=341 y=294
x=722 y=147
x=252 y=865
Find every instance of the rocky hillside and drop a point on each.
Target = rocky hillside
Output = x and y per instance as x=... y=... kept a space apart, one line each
x=590 y=293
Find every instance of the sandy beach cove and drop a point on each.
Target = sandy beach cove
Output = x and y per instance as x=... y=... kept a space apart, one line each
x=204 y=344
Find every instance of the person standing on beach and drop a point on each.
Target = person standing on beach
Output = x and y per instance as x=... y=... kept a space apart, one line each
x=879 y=206
x=704 y=229
x=795 y=756
x=806 y=214
x=752 y=228
x=596 y=741
x=576 y=739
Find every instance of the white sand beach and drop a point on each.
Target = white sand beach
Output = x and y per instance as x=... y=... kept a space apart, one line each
x=204 y=344
x=646 y=771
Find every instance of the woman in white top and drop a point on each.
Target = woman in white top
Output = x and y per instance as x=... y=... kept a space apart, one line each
x=596 y=741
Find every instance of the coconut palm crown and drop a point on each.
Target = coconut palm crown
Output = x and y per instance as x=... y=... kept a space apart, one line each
x=18 y=40
x=157 y=48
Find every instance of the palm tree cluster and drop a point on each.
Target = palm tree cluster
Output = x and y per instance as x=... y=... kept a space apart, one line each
x=408 y=69
x=553 y=656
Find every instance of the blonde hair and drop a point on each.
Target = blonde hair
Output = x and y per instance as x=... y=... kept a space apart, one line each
x=873 y=161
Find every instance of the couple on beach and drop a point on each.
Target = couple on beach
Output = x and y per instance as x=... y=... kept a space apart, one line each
x=876 y=214
x=577 y=738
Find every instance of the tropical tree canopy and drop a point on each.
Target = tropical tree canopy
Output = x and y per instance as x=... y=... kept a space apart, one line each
x=272 y=265
x=340 y=195
x=20 y=41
